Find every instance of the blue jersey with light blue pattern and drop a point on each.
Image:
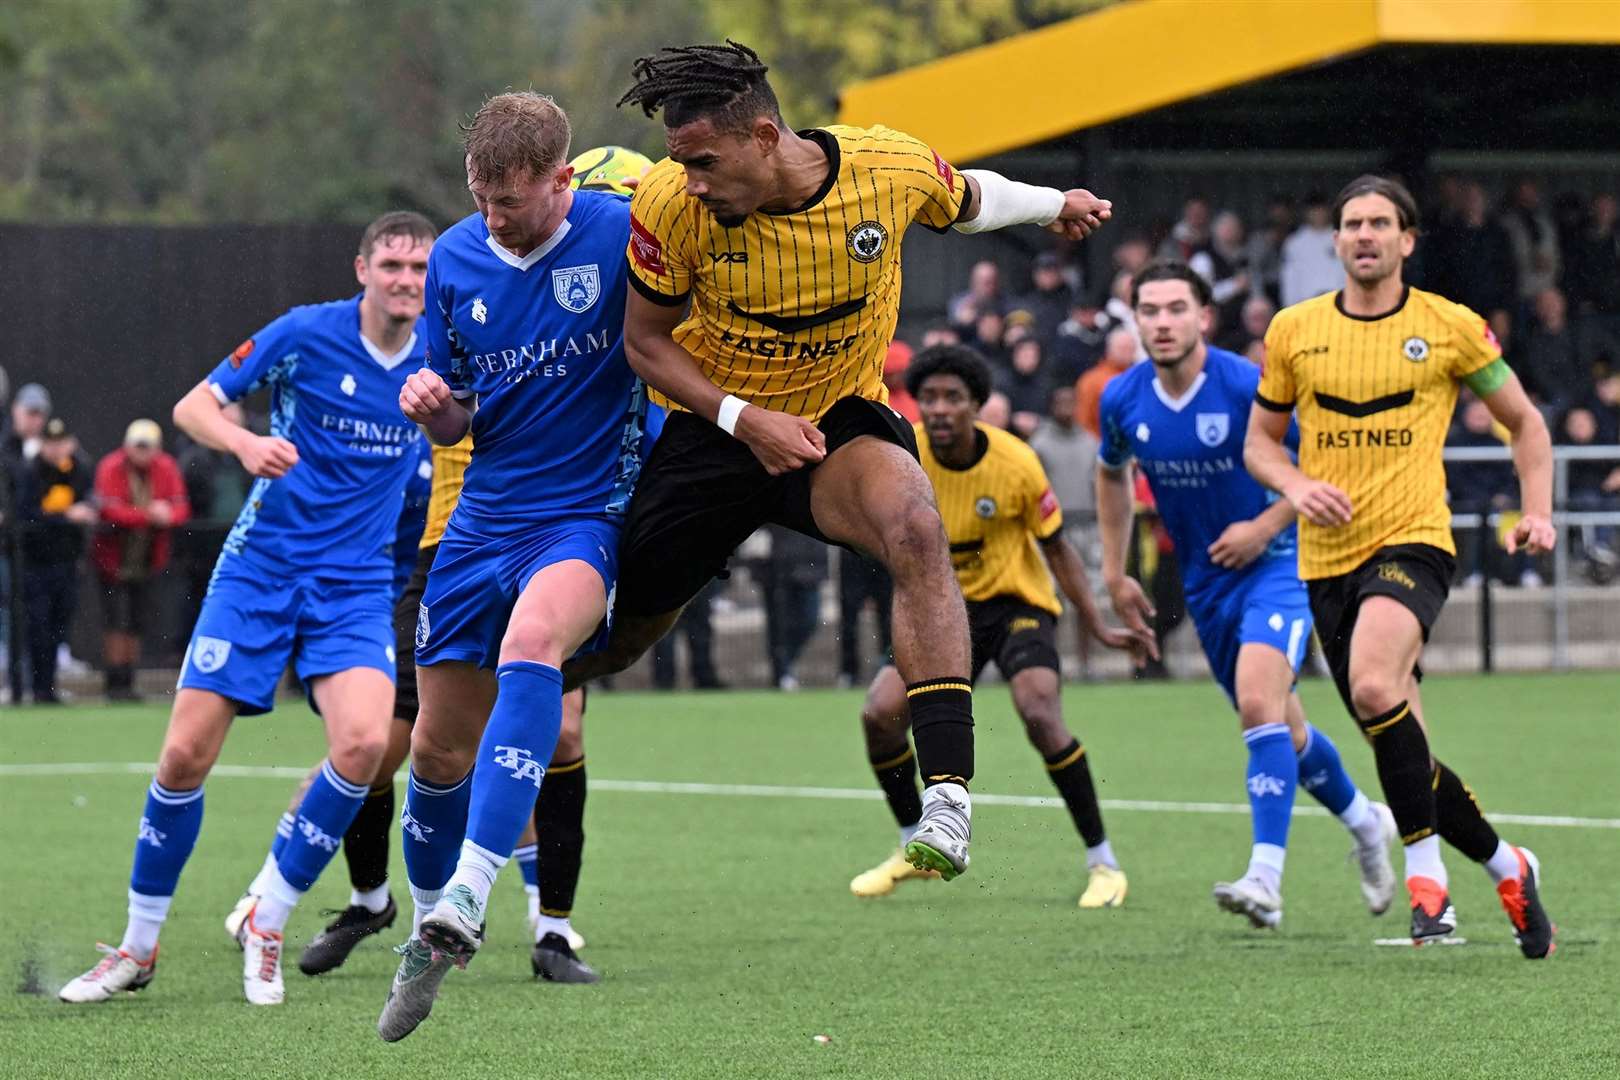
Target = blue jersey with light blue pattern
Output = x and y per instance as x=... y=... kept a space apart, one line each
x=1191 y=451
x=413 y=517
x=335 y=396
x=559 y=429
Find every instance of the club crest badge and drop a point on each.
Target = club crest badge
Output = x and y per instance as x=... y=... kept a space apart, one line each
x=577 y=287
x=1213 y=428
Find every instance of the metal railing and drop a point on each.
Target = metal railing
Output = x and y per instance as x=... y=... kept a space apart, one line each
x=1563 y=520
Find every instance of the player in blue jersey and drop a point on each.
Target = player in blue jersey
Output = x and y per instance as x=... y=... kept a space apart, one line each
x=304 y=577
x=525 y=314
x=1181 y=418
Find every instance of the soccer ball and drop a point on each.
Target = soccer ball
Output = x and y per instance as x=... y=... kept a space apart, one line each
x=606 y=168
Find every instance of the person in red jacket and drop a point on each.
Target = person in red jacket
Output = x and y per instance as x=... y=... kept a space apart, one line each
x=142 y=498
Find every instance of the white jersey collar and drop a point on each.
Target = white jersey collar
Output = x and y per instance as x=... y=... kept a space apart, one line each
x=532 y=257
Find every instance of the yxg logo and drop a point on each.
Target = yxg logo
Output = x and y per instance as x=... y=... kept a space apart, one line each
x=730 y=256
x=520 y=763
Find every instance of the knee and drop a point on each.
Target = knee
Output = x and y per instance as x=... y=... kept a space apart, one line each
x=437 y=760
x=914 y=539
x=184 y=763
x=1374 y=694
x=533 y=640
x=1256 y=710
x=358 y=755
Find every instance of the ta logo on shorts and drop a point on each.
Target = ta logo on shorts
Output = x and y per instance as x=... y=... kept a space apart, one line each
x=209 y=654
x=577 y=287
x=348 y=385
x=480 y=313
x=985 y=507
x=867 y=241
x=1213 y=427
x=1415 y=349
x=422 y=628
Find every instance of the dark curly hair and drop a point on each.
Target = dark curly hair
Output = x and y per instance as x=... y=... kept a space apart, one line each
x=724 y=84
x=960 y=360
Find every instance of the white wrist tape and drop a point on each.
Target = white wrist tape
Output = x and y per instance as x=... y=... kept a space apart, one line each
x=730 y=409
x=1004 y=202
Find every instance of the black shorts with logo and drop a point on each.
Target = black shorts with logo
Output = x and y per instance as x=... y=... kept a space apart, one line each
x=1012 y=632
x=1418 y=576
x=703 y=492
x=405 y=614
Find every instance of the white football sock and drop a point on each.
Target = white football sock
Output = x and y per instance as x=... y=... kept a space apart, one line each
x=1101 y=855
x=1423 y=860
x=1266 y=864
x=373 y=900
x=476 y=869
x=1504 y=864
x=146 y=917
x=261 y=882
x=270 y=914
x=550 y=924
x=1359 y=818
x=422 y=900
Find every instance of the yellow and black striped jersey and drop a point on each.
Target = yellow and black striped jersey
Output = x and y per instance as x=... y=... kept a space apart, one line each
x=996 y=511
x=1374 y=397
x=449 y=467
x=793 y=310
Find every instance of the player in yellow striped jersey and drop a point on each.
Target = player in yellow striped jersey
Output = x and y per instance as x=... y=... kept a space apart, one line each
x=1006 y=540
x=765 y=266
x=1372 y=373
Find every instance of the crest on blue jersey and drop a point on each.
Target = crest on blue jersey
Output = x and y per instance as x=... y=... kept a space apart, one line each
x=577 y=287
x=1213 y=427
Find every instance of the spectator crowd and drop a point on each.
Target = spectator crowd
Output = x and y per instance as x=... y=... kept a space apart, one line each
x=1545 y=274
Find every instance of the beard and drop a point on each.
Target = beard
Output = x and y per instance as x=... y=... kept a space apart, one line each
x=730 y=221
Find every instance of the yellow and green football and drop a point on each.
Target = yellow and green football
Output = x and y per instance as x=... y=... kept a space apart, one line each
x=606 y=168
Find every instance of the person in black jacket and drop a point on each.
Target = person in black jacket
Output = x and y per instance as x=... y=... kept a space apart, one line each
x=54 y=515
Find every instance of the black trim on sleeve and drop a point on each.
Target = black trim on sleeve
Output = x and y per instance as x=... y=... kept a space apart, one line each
x=961 y=211
x=1263 y=402
x=661 y=299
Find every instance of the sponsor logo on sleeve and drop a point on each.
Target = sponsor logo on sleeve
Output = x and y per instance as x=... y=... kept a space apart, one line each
x=943 y=168
x=645 y=248
x=241 y=353
x=1049 y=503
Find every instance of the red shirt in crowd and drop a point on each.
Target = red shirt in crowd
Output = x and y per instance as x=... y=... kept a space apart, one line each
x=128 y=546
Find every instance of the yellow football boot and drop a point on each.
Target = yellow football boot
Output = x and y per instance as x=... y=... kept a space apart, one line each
x=1105 y=887
x=882 y=878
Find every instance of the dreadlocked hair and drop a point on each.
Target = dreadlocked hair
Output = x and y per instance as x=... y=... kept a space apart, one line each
x=724 y=84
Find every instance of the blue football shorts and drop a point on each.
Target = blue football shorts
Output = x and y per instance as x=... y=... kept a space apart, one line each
x=475 y=580
x=1267 y=605
x=255 y=621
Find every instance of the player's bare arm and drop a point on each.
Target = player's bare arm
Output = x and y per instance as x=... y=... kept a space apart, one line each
x=1532 y=460
x=426 y=400
x=1114 y=512
x=1070 y=572
x=1242 y=542
x=781 y=442
x=997 y=202
x=1269 y=462
x=200 y=415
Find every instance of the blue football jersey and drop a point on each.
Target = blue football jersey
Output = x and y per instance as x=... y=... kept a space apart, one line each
x=335 y=396
x=1191 y=450
x=413 y=517
x=538 y=343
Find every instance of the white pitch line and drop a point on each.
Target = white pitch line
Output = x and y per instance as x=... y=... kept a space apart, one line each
x=767 y=791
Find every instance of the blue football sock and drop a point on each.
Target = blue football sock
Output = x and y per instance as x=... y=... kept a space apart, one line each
x=512 y=758
x=284 y=830
x=321 y=820
x=431 y=829
x=1273 y=772
x=1322 y=773
x=528 y=860
x=169 y=827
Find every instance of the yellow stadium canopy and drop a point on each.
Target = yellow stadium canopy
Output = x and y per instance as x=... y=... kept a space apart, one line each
x=1143 y=55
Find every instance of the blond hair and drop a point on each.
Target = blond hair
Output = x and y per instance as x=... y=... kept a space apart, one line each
x=515 y=132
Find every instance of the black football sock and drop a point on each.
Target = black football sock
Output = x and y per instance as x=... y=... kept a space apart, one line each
x=896 y=771
x=1072 y=777
x=1462 y=823
x=1401 y=751
x=559 y=827
x=365 y=844
x=942 y=729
